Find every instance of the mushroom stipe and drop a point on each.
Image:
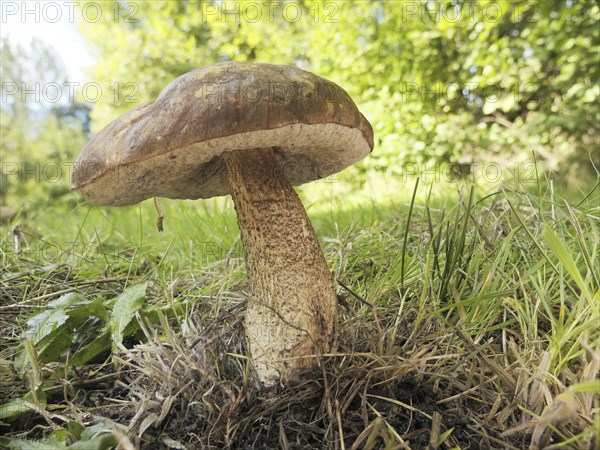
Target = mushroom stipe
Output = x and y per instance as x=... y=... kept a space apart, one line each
x=195 y=142
x=292 y=310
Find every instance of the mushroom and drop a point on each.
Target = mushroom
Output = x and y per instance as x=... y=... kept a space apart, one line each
x=250 y=130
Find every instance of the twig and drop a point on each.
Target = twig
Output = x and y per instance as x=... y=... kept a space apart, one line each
x=161 y=215
x=354 y=294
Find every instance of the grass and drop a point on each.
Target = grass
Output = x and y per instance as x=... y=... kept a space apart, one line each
x=468 y=318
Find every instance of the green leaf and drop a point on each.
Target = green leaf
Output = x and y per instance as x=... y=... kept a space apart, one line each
x=102 y=441
x=564 y=256
x=56 y=314
x=588 y=386
x=89 y=308
x=96 y=437
x=54 y=346
x=21 y=405
x=75 y=428
x=71 y=319
x=89 y=432
x=93 y=349
x=126 y=305
x=21 y=444
x=445 y=436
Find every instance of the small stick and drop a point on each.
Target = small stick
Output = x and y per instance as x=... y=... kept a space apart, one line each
x=161 y=215
x=354 y=294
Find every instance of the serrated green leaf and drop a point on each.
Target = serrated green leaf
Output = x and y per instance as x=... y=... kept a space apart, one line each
x=96 y=437
x=71 y=319
x=103 y=441
x=58 y=312
x=54 y=346
x=20 y=405
x=44 y=323
x=89 y=308
x=126 y=305
x=90 y=431
x=93 y=349
x=21 y=444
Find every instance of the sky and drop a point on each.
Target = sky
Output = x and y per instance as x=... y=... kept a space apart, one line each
x=55 y=23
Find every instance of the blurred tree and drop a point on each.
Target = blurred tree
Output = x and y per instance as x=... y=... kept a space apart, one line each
x=42 y=128
x=442 y=81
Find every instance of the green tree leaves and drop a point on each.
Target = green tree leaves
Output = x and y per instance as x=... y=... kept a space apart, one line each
x=440 y=81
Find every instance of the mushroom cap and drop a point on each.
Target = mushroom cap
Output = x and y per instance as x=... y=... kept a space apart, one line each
x=170 y=148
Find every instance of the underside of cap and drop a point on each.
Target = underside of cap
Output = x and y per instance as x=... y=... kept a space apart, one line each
x=172 y=148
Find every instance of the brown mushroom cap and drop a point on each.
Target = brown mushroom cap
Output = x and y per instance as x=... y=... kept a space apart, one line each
x=170 y=148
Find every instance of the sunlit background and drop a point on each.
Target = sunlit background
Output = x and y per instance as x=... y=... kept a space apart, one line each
x=485 y=94
x=52 y=23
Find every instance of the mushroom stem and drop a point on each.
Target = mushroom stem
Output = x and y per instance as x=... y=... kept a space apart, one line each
x=292 y=310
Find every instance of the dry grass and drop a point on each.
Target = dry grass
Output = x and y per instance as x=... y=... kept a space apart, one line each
x=369 y=391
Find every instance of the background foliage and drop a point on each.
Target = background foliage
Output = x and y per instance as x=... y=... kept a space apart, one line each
x=457 y=82
x=39 y=139
x=441 y=81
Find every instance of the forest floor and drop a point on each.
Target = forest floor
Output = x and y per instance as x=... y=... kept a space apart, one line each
x=466 y=324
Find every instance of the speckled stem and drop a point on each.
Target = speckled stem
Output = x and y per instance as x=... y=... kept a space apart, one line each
x=292 y=311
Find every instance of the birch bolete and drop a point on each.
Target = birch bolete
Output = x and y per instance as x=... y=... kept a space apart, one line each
x=250 y=130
